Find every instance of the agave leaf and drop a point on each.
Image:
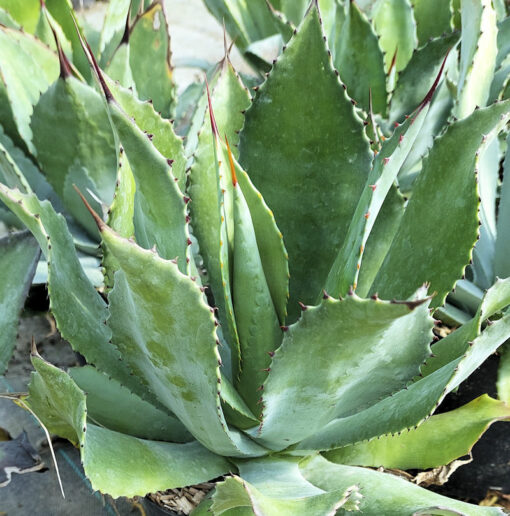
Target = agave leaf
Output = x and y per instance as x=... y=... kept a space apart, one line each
x=478 y=55
x=62 y=10
x=404 y=269
x=503 y=41
x=163 y=136
x=501 y=262
x=345 y=270
x=257 y=322
x=380 y=239
x=235 y=409
x=273 y=486
x=26 y=13
x=247 y=22
x=115 y=463
x=74 y=113
x=294 y=10
x=415 y=81
x=270 y=245
x=438 y=441
x=119 y=68
x=19 y=254
x=113 y=406
x=410 y=406
x=150 y=37
x=236 y=494
x=166 y=333
x=10 y=174
x=394 y=23
x=114 y=26
x=433 y=18
x=437 y=117
x=44 y=31
x=290 y=151
x=121 y=214
x=69 y=287
x=27 y=68
x=388 y=494
x=160 y=207
x=488 y=178
x=316 y=374
x=360 y=61
x=503 y=383
x=210 y=220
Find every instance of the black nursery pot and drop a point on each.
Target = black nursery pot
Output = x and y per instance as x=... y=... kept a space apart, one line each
x=490 y=469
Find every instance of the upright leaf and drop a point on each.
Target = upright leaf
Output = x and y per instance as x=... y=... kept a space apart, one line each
x=394 y=23
x=22 y=80
x=208 y=218
x=415 y=81
x=433 y=18
x=162 y=133
x=360 y=60
x=62 y=11
x=74 y=143
x=149 y=37
x=478 y=55
x=19 y=254
x=501 y=262
x=256 y=318
x=291 y=152
x=422 y=228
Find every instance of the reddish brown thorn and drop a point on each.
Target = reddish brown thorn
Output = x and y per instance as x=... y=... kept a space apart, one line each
x=261 y=388
x=170 y=162
x=284 y=328
x=386 y=161
x=351 y=291
x=375 y=297
x=186 y=199
x=188 y=241
x=367 y=214
x=98 y=220
x=373 y=187
x=266 y=370
x=303 y=306
x=401 y=138
x=214 y=127
x=325 y=295
x=271 y=353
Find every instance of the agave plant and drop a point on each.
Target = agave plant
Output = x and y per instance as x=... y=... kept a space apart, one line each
x=262 y=356
x=387 y=52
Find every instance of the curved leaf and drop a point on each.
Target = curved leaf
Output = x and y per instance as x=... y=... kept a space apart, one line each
x=116 y=463
x=438 y=441
x=318 y=374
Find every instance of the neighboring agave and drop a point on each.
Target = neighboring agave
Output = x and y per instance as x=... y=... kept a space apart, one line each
x=187 y=383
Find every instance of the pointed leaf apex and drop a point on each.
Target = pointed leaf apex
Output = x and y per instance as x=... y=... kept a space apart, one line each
x=214 y=127
x=33 y=349
x=98 y=220
x=65 y=66
x=430 y=94
x=92 y=61
x=127 y=30
x=231 y=161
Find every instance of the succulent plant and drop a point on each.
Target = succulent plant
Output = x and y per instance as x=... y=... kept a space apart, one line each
x=240 y=334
